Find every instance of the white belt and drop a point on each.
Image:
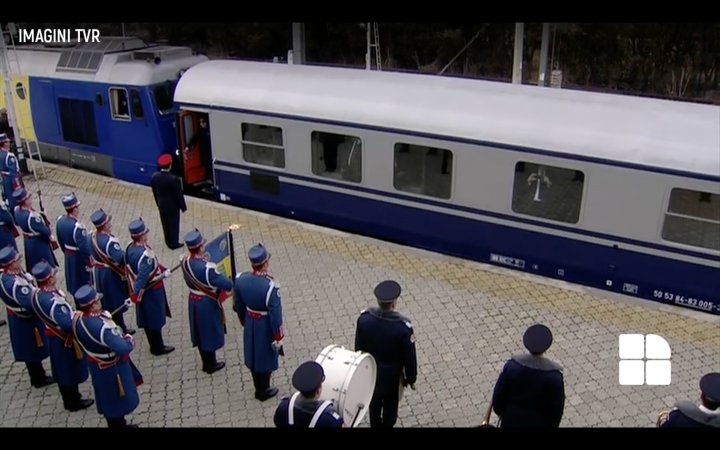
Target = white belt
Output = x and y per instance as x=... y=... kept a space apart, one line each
x=262 y=313
x=71 y=247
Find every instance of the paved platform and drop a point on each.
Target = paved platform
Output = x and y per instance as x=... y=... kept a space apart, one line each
x=468 y=319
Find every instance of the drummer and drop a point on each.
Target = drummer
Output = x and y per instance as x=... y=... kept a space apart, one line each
x=304 y=409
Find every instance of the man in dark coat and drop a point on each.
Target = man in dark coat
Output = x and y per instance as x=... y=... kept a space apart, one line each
x=170 y=200
x=530 y=391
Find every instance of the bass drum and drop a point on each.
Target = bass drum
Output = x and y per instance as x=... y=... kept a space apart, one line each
x=349 y=381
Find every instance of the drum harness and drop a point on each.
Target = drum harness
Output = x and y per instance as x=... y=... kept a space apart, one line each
x=316 y=416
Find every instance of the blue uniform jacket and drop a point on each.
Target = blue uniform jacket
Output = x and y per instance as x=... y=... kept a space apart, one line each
x=10 y=170
x=8 y=231
x=75 y=244
x=27 y=332
x=304 y=412
x=208 y=289
x=388 y=337
x=688 y=415
x=257 y=304
x=114 y=377
x=110 y=271
x=530 y=392
x=145 y=273
x=67 y=360
x=37 y=237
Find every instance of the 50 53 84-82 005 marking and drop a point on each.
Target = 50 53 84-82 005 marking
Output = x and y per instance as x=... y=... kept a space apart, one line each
x=685 y=301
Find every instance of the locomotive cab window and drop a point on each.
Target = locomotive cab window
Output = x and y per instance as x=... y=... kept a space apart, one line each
x=263 y=144
x=423 y=170
x=163 y=94
x=548 y=192
x=693 y=218
x=119 y=104
x=336 y=156
x=137 y=107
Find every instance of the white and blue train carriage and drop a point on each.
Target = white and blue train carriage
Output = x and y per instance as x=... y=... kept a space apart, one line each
x=105 y=107
x=614 y=192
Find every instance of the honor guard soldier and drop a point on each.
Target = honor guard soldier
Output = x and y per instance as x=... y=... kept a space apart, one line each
x=688 y=415
x=530 y=391
x=27 y=332
x=8 y=231
x=257 y=304
x=145 y=281
x=10 y=170
x=388 y=336
x=114 y=377
x=75 y=243
x=67 y=360
x=208 y=289
x=37 y=234
x=170 y=200
x=303 y=409
x=110 y=276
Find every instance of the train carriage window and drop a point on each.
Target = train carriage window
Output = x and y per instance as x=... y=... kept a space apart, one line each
x=137 y=108
x=263 y=144
x=119 y=104
x=693 y=218
x=423 y=170
x=336 y=156
x=548 y=192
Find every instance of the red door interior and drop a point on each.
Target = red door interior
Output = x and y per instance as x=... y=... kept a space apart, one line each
x=193 y=170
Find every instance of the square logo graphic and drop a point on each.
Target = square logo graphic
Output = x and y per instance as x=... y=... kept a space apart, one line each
x=644 y=359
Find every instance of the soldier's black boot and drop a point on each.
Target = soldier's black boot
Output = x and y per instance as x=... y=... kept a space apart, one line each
x=72 y=400
x=120 y=321
x=119 y=422
x=2 y=322
x=38 y=377
x=263 y=391
x=210 y=364
x=157 y=346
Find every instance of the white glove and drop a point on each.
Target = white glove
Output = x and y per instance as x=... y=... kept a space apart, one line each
x=277 y=345
x=28 y=277
x=167 y=273
x=128 y=302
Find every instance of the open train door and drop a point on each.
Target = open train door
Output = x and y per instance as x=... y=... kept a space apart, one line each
x=194 y=171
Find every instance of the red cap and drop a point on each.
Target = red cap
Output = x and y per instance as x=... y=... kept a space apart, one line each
x=164 y=160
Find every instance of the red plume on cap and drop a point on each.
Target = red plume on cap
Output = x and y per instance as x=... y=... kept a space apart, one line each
x=164 y=160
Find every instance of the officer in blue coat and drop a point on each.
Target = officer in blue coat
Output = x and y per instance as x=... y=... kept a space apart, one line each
x=530 y=391
x=110 y=276
x=114 y=377
x=8 y=231
x=10 y=171
x=388 y=336
x=208 y=289
x=145 y=280
x=75 y=243
x=67 y=360
x=688 y=415
x=37 y=234
x=27 y=332
x=257 y=304
x=303 y=409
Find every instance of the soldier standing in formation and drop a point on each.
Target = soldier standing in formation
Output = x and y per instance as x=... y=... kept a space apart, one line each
x=304 y=409
x=530 y=391
x=689 y=415
x=114 y=377
x=257 y=304
x=38 y=237
x=208 y=289
x=75 y=244
x=388 y=336
x=147 y=290
x=10 y=171
x=27 y=332
x=67 y=360
x=8 y=231
x=110 y=269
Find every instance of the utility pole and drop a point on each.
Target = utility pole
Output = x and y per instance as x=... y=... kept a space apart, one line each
x=518 y=54
x=542 y=72
x=298 y=31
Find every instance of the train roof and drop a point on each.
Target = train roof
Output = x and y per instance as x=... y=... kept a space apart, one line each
x=662 y=133
x=114 y=60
